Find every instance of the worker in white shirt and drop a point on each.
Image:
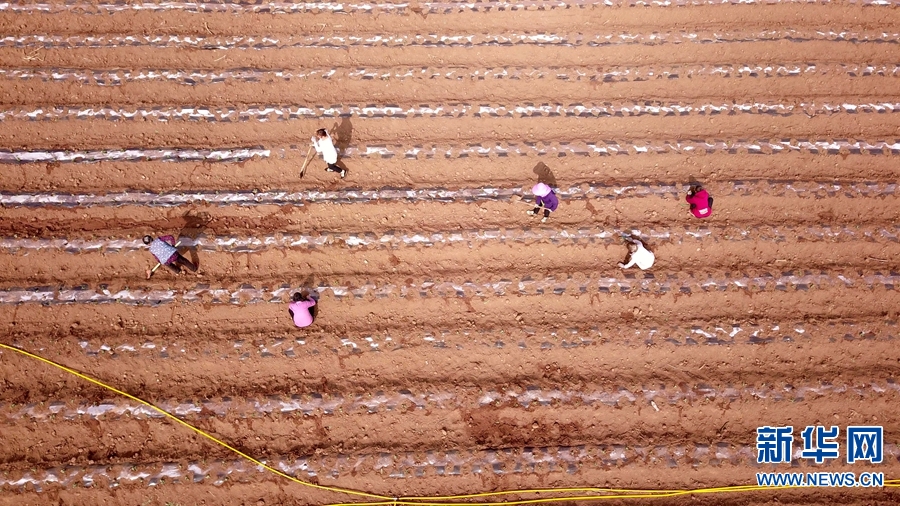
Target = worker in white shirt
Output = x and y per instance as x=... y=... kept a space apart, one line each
x=323 y=144
x=638 y=255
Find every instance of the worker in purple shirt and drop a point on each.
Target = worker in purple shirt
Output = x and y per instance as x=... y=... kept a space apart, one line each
x=163 y=248
x=544 y=197
x=301 y=310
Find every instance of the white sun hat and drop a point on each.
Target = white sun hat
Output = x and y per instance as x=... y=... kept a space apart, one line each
x=541 y=190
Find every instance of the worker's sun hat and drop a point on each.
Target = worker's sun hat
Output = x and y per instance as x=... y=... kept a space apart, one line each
x=541 y=190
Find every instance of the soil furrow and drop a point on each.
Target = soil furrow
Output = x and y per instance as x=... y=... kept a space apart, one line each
x=427 y=217
x=805 y=88
x=610 y=460
x=339 y=76
x=429 y=323
x=870 y=232
x=425 y=150
x=822 y=18
x=800 y=189
x=321 y=364
x=275 y=173
x=460 y=430
x=505 y=258
x=421 y=8
x=421 y=56
x=480 y=129
x=268 y=113
x=250 y=489
x=562 y=396
x=266 y=342
x=467 y=40
x=578 y=284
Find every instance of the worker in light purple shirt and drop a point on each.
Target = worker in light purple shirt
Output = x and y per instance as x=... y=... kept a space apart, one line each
x=163 y=248
x=301 y=310
x=545 y=198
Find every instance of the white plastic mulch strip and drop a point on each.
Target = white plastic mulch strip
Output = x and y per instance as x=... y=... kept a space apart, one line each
x=340 y=41
x=192 y=77
x=648 y=283
x=806 y=189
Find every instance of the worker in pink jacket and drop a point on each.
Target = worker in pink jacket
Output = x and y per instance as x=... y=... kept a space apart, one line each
x=301 y=310
x=700 y=201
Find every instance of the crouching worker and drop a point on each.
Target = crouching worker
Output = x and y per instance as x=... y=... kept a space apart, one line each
x=301 y=310
x=700 y=201
x=638 y=255
x=163 y=248
x=544 y=197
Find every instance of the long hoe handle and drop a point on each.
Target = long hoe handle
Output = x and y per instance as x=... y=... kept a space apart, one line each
x=158 y=264
x=306 y=162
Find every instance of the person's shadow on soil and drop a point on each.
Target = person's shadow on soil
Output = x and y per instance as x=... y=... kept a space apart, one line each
x=544 y=174
x=343 y=136
x=194 y=223
x=307 y=289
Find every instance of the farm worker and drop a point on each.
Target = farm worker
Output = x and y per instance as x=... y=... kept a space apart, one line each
x=323 y=144
x=544 y=197
x=301 y=310
x=163 y=248
x=638 y=255
x=700 y=201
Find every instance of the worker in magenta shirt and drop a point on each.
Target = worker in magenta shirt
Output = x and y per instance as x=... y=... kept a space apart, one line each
x=301 y=310
x=700 y=201
x=544 y=197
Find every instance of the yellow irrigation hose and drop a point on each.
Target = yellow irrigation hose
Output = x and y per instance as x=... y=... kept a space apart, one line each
x=611 y=493
x=195 y=429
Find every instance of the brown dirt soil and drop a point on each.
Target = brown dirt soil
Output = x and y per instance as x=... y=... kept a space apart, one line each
x=499 y=354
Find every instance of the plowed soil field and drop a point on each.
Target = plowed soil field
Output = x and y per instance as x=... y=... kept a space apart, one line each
x=461 y=346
